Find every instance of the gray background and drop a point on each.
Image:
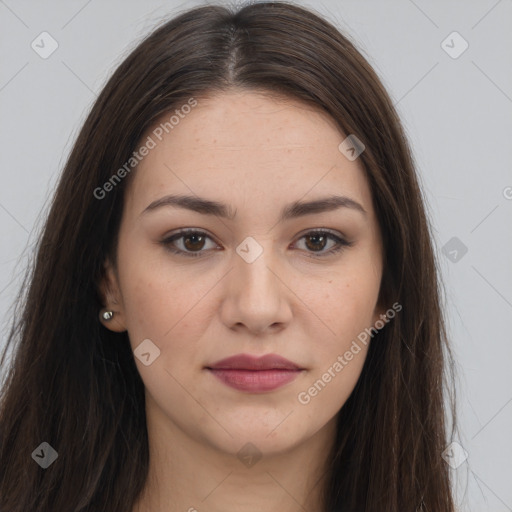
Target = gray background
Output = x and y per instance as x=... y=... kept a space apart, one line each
x=457 y=113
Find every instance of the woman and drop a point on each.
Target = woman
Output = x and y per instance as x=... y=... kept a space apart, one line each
x=234 y=303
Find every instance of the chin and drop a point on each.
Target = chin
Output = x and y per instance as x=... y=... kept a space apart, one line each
x=259 y=437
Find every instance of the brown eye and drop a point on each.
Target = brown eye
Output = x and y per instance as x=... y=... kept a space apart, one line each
x=188 y=243
x=317 y=241
x=193 y=242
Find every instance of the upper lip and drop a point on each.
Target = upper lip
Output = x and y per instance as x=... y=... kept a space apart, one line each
x=248 y=362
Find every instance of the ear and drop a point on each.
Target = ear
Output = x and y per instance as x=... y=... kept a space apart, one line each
x=110 y=294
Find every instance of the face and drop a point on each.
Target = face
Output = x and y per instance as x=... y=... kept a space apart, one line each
x=260 y=275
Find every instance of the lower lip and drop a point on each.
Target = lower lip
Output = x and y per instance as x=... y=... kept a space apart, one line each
x=255 y=380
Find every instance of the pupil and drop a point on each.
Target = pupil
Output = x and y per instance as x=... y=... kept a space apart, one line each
x=317 y=237
x=194 y=244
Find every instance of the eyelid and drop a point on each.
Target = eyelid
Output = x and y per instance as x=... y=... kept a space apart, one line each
x=182 y=233
x=328 y=231
x=339 y=238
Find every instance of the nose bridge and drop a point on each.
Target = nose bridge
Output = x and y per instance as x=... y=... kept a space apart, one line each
x=256 y=296
x=254 y=260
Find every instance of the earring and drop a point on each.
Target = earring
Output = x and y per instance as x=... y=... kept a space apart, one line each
x=107 y=315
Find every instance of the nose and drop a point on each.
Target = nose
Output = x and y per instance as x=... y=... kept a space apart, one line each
x=256 y=296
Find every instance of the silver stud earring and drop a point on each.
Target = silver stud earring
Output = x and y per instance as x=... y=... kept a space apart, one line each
x=107 y=315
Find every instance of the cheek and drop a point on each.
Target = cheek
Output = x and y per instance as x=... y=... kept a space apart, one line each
x=330 y=387
x=346 y=306
x=164 y=311
x=153 y=299
x=168 y=307
x=339 y=355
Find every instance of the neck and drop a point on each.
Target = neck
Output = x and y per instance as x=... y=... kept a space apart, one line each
x=191 y=475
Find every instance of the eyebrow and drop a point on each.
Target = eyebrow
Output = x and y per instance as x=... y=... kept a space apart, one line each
x=290 y=211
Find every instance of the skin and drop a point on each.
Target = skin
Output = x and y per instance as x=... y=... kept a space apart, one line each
x=256 y=154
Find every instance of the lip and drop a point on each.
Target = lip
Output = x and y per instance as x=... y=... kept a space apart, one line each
x=248 y=362
x=255 y=374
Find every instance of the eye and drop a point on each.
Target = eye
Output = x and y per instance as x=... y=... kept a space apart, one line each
x=316 y=241
x=193 y=241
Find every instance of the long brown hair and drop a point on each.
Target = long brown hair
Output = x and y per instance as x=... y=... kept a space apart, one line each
x=74 y=384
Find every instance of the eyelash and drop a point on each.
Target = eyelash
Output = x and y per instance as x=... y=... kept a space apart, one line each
x=167 y=242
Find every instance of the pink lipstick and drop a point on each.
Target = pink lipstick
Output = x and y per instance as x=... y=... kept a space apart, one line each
x=255 y=374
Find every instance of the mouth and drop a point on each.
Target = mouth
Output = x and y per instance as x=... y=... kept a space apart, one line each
x=255 y=374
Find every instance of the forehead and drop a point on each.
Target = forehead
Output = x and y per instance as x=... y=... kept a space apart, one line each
x=240 y=147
